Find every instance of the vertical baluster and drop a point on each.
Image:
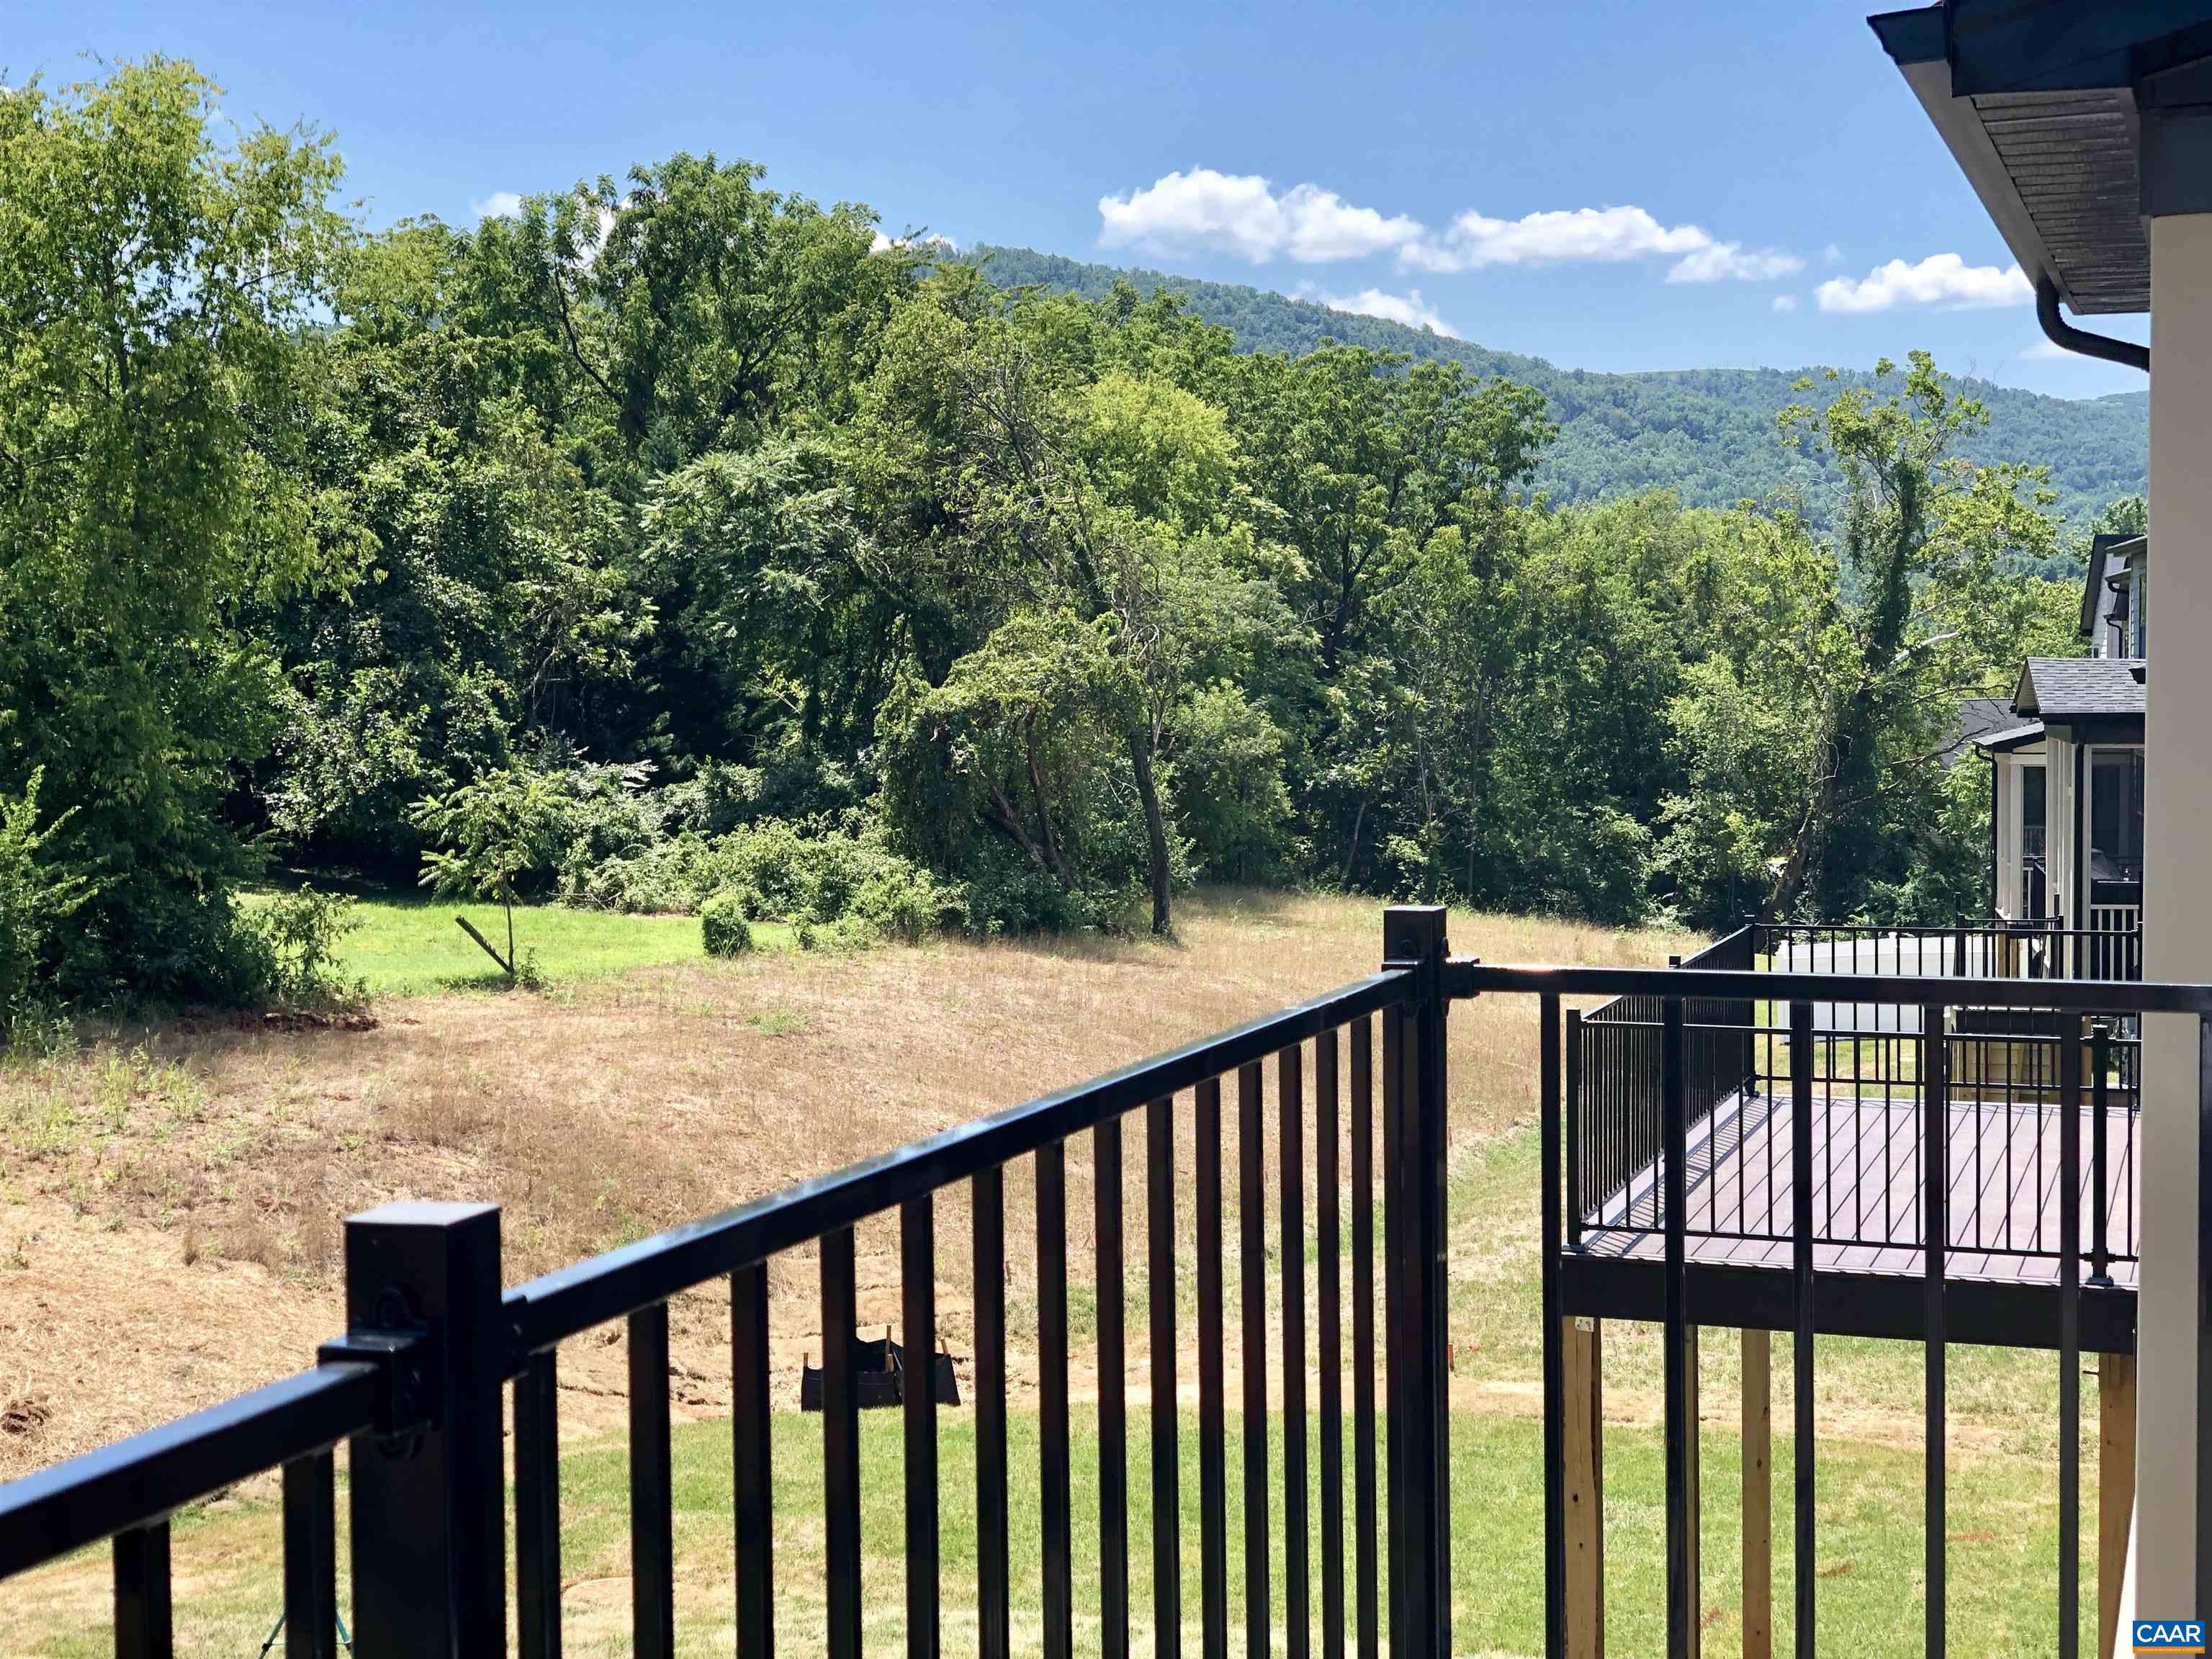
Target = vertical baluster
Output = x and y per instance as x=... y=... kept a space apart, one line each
x=142 y=1593
x=841 y=1446
x=1298 y=1587
x=1252 y=1349
x=311 y=1553
x=751 y=1473
x=2203 y=1309
x=918 y=1409
x=1329 y=1201
x=1399 y=1355
x=536 y=1510
x=2069 y=1333
x=993 y=1582
x=2100 y=1243
x=1366 y=1597
x=651 y=1521
x=1681 y=1522
x=1113 y=1393
x=1055 y=1504
x=1800 y=1254
x=1934 y=1071
x=1547 y=1140
x=1160 y=1286
x=1213 y=1458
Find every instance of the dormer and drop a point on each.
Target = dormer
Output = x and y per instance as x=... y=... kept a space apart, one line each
x=2113 y=596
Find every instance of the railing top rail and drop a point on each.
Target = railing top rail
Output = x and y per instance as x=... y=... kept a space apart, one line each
x=133 y=1482
x=573 y=1299
x=1603 y=1011
x=2000 y=928
x=1464 y=978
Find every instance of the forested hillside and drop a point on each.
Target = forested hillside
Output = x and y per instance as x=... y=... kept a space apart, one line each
x=1707 y=435
x=673 y=542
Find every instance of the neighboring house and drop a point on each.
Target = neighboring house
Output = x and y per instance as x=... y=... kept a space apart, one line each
x=2067 y=799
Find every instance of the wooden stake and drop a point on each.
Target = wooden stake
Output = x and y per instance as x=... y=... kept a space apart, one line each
x=1583 y=1377
x=1758 y=1495
x=2116 y=1488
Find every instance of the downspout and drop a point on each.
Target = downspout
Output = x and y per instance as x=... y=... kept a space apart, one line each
x=2078 y=905
x=2067 y=337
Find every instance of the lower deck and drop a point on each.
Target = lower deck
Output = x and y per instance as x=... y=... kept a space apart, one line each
x=2005 y=1161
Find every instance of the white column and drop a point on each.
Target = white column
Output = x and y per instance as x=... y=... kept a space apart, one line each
x=2178 y=911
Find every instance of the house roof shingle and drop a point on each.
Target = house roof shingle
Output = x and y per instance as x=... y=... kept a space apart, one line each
x=2073 y=688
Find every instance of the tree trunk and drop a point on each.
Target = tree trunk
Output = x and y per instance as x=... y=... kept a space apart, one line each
x=1156 y=830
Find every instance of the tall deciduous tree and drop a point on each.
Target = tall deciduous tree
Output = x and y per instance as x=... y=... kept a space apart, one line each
x=153 y=286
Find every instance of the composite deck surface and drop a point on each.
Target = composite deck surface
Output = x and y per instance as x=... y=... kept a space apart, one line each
x=1867 y=1184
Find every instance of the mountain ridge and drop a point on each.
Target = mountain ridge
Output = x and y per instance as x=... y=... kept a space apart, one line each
x=1709 y=435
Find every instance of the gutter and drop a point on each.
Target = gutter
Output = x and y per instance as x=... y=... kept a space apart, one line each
x=2067 y=337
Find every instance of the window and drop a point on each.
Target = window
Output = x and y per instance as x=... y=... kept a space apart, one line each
x=2116 y=815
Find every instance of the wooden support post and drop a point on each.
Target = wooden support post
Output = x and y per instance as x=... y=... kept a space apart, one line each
x=2116 y=1488
x=1583 y=1374
x=1697 y=1501
x=1758 y=1495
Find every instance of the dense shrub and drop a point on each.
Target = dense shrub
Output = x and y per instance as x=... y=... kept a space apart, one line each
x=723 y=927
x=290 y=945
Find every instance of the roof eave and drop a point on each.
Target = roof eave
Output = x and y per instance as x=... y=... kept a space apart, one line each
x=1959 y=126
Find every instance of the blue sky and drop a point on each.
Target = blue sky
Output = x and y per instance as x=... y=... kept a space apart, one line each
x=1610 y=186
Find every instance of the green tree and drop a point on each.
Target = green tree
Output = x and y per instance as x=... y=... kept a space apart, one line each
x=155 y=285
x=485 y=833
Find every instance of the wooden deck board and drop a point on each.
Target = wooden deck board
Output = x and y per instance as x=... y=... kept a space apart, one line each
x=2003 y=1189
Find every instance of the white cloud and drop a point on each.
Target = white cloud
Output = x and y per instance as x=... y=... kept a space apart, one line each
x=1604 y=235
x=500 y=204
x=1941 y=280
x=2047 y=349
x=1785 y=303
x=1243 y=214
x=880 y=242
x=1831 y=255
x=1323 y=226
x=1409 y=308
x=1246 y=217
x=1727 y=262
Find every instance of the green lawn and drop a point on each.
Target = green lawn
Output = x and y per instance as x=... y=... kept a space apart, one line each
x=408 y=945
x=2003 y=1536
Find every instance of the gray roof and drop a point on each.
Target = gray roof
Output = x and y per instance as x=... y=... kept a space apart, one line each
x=2074 y=688
x=2014 y=736
x=1978 y=718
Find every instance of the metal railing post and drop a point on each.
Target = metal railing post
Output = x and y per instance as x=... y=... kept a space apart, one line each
x=1548 y=1066
x=1935 y=1140
x=2204 y=1310
x=1413 y=939
x=1801 y=1256
x=1679 y=1354
x=428 y=1504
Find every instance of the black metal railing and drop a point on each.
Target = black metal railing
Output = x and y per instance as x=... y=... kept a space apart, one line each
x=1612 y=1060
x=416 y=1383
x=2077 y=1003
x=1993 y=948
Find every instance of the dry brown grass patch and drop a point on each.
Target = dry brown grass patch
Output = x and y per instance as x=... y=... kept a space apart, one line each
x=183 y=1190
